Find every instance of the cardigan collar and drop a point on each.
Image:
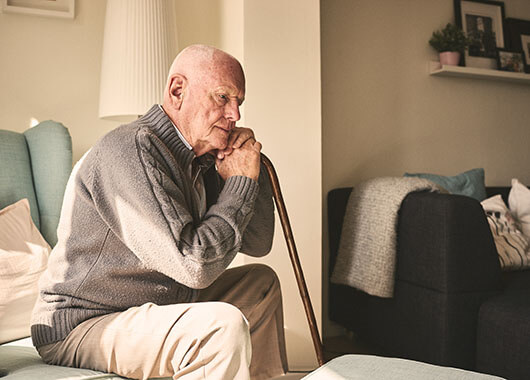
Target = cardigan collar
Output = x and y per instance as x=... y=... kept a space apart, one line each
x=164 y=128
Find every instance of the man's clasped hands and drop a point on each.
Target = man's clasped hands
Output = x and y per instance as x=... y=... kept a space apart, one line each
x=241 y=157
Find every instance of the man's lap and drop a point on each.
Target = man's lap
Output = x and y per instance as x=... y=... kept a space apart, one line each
x=132 y=342
x=139 y=342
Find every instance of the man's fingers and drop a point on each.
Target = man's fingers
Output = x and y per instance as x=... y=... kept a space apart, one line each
x=233 y=137
x=242 y=141
x=242 y=161
x=239 y=140
x=239 y=136
x=252 y=144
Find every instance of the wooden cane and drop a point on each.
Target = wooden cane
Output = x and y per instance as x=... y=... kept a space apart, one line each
x=295 y=261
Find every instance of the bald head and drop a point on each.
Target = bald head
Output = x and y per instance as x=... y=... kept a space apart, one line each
x=198 y=63
x=204 y=90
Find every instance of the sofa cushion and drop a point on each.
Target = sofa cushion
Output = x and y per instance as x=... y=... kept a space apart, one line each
x=360 y=367
x=16 y=180
x=519 y=201
x=470 y=183
x=503 y=336
x=23 y=257
x=516 y=281
x=19 y=360
x=511 y=244
x=50 y=150
x=22 y=363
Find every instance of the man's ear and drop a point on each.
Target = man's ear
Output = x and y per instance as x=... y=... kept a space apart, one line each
x=177 y=89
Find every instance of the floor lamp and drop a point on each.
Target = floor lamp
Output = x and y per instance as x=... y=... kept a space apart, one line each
x=140 y=42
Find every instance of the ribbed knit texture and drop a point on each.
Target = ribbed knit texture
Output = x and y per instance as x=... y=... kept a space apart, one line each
x=366 y=259
x=130 y=230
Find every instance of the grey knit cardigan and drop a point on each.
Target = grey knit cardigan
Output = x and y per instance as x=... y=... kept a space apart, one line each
x=130 y=230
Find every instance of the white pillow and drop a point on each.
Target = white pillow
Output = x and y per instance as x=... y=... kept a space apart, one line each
x=519 y=201
x=512 y=245
x=23 y=257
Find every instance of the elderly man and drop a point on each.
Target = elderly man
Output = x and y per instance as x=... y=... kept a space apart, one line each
x=153 y=215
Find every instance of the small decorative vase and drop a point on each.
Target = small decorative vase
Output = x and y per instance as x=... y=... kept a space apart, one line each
x=449 y=58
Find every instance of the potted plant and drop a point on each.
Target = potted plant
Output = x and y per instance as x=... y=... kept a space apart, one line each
x=449 y=42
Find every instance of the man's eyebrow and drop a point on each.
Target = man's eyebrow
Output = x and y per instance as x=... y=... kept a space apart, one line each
x=229 y=91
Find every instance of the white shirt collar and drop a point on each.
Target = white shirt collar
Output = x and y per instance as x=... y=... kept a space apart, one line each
x=178 y=132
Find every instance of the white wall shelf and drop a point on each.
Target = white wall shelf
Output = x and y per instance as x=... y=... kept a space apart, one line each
x=478 y=73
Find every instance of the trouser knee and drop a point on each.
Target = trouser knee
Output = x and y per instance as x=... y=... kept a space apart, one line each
x=230 y=324
x=267 y=277
x=229 y=317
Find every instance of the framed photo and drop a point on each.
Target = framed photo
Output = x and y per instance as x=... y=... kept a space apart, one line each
x=513 y=61
x=48 y=8
x=517 y=35
x=482 y=21
x=525 y=42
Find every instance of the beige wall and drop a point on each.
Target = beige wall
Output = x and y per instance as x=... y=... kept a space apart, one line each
x=384 y=115
x=217 y=23
x=50 y=69
x=278 y=44
x=282 y=63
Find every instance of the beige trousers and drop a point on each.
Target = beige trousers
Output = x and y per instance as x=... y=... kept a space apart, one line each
x=202 y=340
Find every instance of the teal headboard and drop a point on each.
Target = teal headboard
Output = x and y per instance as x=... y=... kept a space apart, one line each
x=36 y=165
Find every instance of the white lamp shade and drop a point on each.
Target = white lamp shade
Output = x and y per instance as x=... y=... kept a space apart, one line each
x=140 y=42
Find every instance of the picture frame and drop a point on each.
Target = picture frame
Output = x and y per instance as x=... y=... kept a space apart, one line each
x=482 y=21
x=48 y=8
x=508 y=60
x=517 y=35
x=525 y=42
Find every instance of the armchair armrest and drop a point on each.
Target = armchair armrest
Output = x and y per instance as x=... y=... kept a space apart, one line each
x=445 y=244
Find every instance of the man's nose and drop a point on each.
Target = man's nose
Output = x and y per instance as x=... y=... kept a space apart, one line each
x=232 y=111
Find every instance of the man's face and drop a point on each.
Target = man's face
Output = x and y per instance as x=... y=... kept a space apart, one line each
x=211 y=106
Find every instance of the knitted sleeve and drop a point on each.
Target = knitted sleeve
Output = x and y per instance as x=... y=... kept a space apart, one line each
x=151 y=212
x=258 y=236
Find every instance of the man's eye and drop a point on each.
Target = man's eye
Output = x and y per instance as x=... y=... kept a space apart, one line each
x=224 y=97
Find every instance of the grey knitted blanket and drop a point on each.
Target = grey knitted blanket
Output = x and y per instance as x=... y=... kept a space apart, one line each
x=367 y=250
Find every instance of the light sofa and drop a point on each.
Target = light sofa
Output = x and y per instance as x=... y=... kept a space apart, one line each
x=35 y=165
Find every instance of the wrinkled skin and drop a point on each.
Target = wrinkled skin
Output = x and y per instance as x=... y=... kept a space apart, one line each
x=204 y=91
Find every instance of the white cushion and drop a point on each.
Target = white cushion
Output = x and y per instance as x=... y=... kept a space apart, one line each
x=511 y=244
x=519 y=201
x=23 y=257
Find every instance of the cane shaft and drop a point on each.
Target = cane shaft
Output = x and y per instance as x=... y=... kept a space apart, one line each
x=295 y=261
